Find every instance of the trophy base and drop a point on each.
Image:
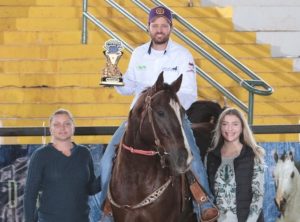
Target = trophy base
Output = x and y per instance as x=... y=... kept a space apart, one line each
x=112 y=81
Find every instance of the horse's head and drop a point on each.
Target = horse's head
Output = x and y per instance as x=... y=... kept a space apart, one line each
x=155 y=123
x=285 y=175
x=204 y=116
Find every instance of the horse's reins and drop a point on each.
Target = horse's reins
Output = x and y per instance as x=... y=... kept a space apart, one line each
x=139 y=151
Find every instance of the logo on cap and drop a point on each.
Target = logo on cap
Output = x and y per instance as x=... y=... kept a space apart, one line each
x=160 y=11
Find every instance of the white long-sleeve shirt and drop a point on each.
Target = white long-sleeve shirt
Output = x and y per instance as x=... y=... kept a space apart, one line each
x=146 y=64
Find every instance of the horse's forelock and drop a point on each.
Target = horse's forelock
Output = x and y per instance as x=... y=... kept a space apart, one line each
x=283 y=156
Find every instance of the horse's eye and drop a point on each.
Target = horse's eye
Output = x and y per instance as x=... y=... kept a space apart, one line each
x=293 y=174
x=161 y=113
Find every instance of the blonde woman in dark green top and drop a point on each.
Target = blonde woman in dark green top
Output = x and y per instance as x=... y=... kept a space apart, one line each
x=61 y=176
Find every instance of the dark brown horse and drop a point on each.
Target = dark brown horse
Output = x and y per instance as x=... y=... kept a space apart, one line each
x=146 y=184
x=204 y=115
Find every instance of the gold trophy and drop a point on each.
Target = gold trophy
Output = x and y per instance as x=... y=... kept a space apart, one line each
x=111 y=75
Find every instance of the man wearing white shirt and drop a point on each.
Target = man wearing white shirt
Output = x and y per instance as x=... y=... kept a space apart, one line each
x=147 y=63
x=161 y=54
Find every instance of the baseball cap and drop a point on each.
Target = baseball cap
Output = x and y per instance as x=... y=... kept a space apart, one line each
x=158 y=12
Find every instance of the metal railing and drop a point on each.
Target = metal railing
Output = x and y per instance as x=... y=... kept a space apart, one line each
x=249 y=85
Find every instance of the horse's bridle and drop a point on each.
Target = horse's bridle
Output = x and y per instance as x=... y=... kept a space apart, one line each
x=159 y=148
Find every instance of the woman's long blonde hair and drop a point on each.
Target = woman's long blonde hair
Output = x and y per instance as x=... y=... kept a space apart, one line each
x=246 y=137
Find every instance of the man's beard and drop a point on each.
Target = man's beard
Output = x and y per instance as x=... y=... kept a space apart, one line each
x=160 y=41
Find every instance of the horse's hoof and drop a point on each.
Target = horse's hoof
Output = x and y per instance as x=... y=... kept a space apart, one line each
x=209 y=215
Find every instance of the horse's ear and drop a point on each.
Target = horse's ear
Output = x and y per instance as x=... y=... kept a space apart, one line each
x=159 y=82
x=291 y=156
x=176 y=84
x=276 y=156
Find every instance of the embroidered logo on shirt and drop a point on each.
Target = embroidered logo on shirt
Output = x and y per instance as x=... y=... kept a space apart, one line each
x=168 y=69
x=141 y=67
x=191 y=67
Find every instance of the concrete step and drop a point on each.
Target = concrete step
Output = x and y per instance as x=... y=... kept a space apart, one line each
x=284 y=79
x=51 y=52
x=94 y=65
x=257 y=65
x=117 y=120
x=172 y=3
x=79 y=121
x=40 y=12
x=71 y=24
x=47 y=3
x=210 y=24
x=228 y=37
x=98 y=37
x=98 y=94
x=71 y=11
x=39 y=140
x=58 y=66
x=236 y=50
x=7 y=24
x=84 y=95
x=281 y=93
x=203 y=12
x=79 y=51
x=35 y=110
x=50 y=79
x=13 y=11
x=34 y=24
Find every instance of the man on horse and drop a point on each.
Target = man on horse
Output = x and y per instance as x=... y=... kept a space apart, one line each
x=161 y=54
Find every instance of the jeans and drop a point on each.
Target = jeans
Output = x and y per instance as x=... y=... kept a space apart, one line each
x=197 y=166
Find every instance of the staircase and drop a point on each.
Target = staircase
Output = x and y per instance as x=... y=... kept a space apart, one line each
x=44 y=66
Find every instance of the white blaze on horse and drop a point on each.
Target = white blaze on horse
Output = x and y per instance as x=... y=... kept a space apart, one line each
x=287 y=185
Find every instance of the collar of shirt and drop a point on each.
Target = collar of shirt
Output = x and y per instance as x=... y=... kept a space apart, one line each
x=166 y=50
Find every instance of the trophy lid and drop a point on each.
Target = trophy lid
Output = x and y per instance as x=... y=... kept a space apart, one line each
x=113 y=46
